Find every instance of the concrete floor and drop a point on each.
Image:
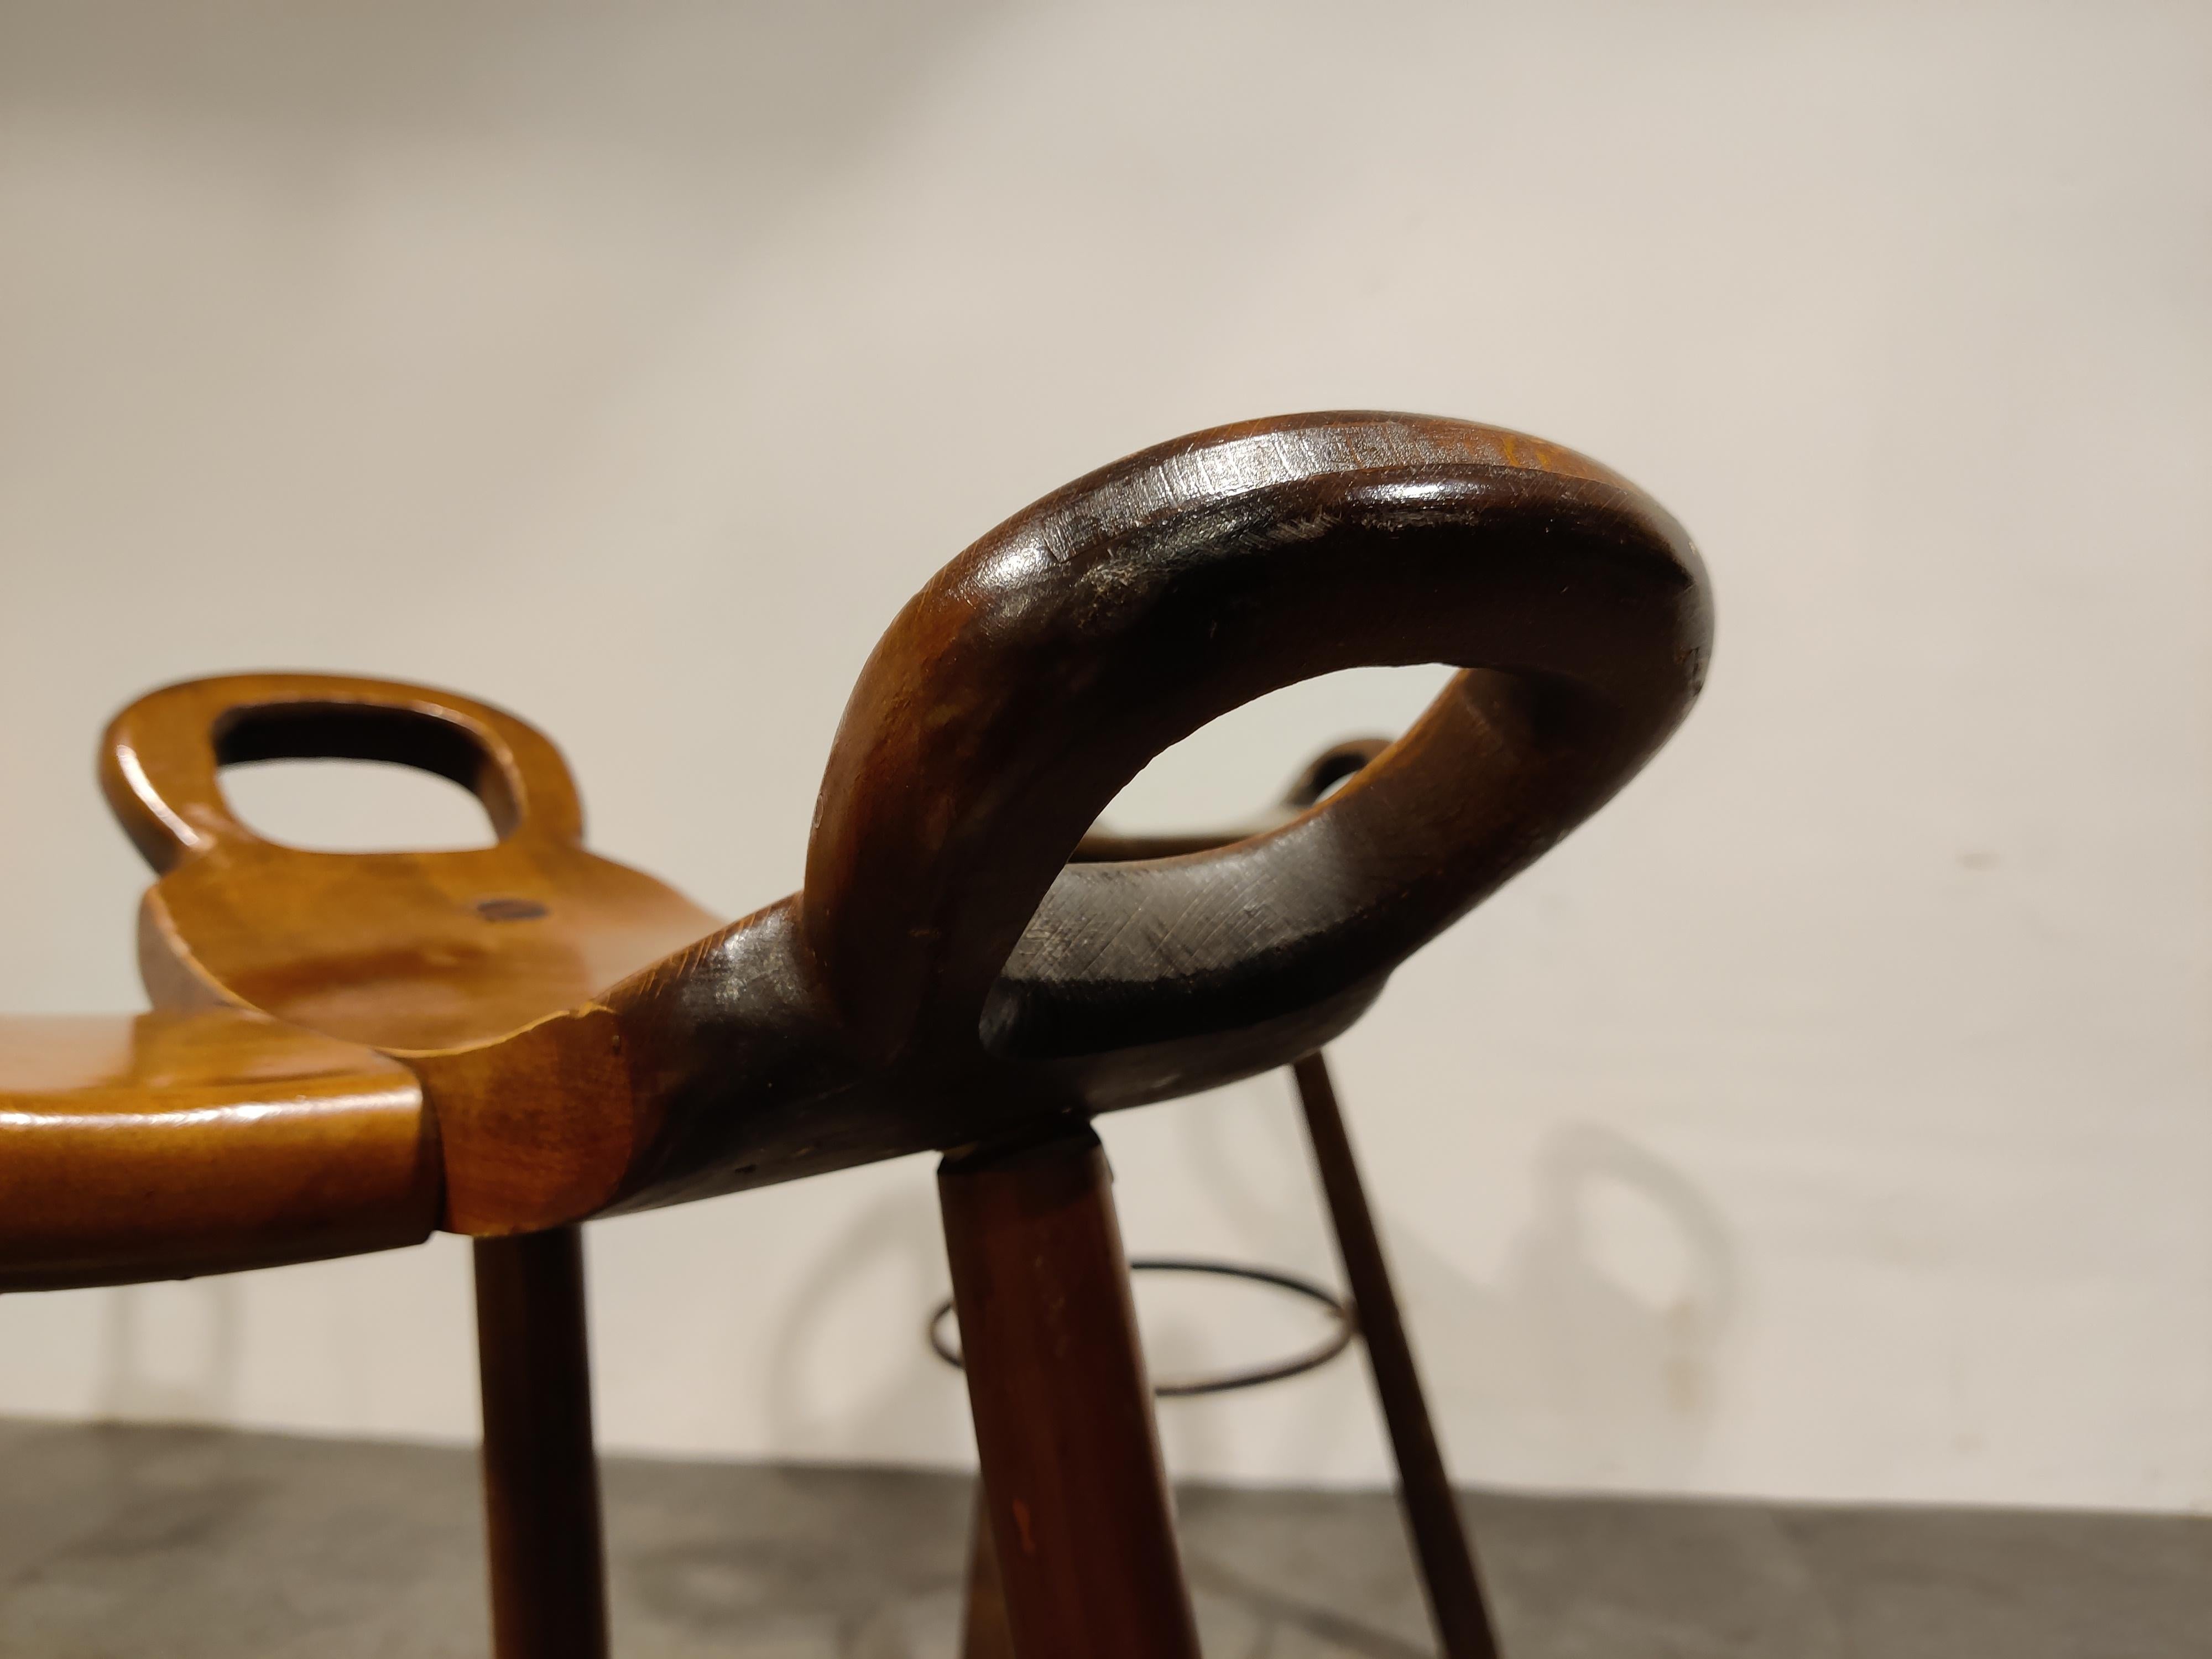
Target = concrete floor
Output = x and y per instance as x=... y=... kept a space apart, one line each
x=180 y=1543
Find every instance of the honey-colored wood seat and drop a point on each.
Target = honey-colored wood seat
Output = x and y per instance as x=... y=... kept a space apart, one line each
x=410 y=952
x=260 y=1116
x=171 y=1144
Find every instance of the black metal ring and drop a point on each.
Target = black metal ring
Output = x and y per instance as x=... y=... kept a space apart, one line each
x=1347 y=1325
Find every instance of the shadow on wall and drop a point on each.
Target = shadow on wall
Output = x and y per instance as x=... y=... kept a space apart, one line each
x=698 y=85
x=883 y=1274
x=1593 y=1359
x=170 y=1353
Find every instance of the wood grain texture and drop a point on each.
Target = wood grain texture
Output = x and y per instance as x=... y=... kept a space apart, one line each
x=960 y=970
x=1450 y=1579
x=1034 y=676
x=984 y=1631
x=1081 y=1525
x=168 y=1145
x=546 y=1551
x=428 y=956
x=947 y=970
x=953 y=968
x=413 y=953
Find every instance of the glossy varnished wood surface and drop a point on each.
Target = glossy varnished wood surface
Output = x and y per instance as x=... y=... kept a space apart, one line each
x=428 y=956
x=984 y=1631
x=1450 y=1577
x=172 y=1144
x=545 y=1548
x=947 y=969
x=1072 y=1484
x=565 y=1035
x=953 y=967
x=1032 y=677
x=411 y=952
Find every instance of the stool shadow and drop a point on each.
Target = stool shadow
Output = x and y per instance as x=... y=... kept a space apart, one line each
x=1594 y=1357
x=913 y=1398
x=1574 y=1366
x=144 y=1325
x=1563 y=1373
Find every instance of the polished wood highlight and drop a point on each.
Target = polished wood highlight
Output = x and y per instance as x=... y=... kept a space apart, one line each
x=1449 y=1576
x=407 y=951
x=946 y=974
x=171 y=1144
x=513 y=1038
x=541 y=1481
x=421 y=953
x=1081 y=1523
x=424 y=955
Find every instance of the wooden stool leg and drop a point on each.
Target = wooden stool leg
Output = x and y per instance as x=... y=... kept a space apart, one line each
x=1440 y=1542
x=541 y=1477
x=1072 y=1479
x=984 y=1633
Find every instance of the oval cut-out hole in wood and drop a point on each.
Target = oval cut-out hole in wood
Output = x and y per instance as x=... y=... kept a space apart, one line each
x=355 y=806
x=1233 y=769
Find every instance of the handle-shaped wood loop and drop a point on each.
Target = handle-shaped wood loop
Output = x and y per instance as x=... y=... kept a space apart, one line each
x=159 y=756
x=1036 y=674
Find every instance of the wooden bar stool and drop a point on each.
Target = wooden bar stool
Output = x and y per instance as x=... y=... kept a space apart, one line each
x=1443 y=1555
x=506 y=1042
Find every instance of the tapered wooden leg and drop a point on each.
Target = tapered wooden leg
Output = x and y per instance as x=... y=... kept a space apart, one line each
x=984 y=1633
x=541 y=1477
x=1440 y=1542
x=1072 y=1479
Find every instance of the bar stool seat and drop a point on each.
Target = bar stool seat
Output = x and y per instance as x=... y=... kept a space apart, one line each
x=955 y=974
x=166 y=1145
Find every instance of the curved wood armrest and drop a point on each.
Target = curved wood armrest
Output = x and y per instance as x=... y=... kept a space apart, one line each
x=954 y=964
x=172 y=1145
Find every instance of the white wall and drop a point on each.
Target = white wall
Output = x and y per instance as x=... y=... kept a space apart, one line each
x=1827 y=1119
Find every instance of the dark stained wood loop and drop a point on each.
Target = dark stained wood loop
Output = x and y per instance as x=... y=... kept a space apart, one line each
x=948 y=972
x=1036 y=674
